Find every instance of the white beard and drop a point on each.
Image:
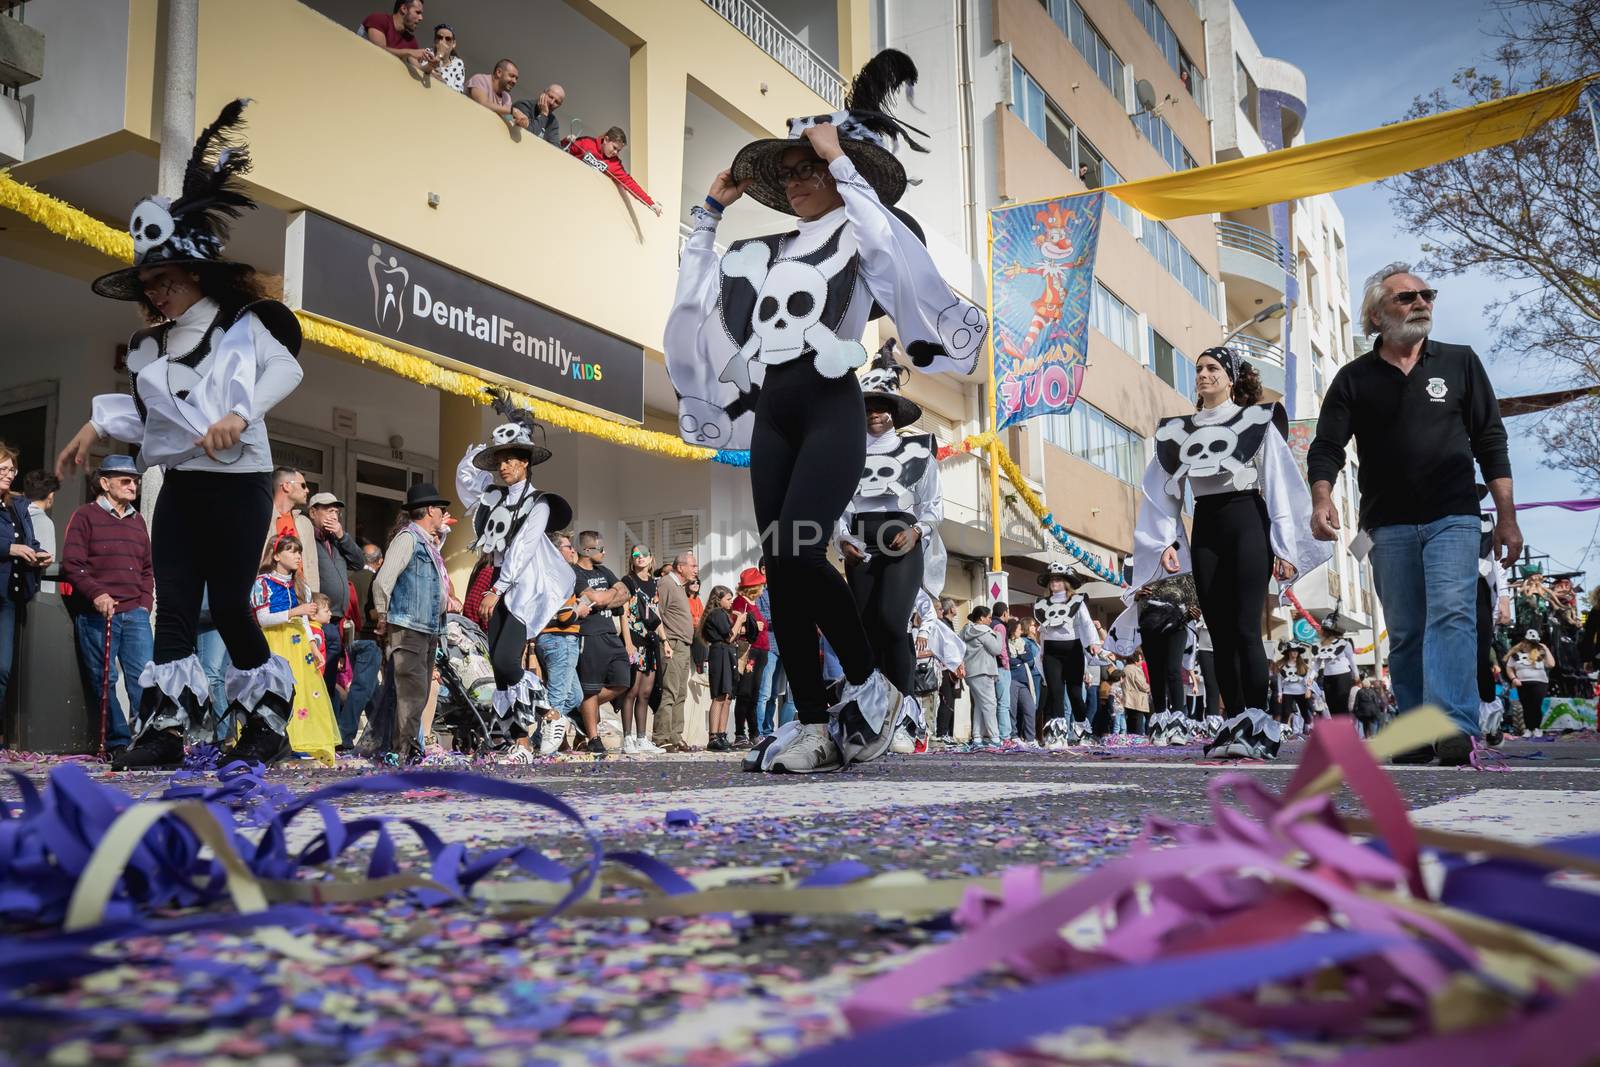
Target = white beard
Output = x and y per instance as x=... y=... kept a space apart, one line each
x=1405 y=333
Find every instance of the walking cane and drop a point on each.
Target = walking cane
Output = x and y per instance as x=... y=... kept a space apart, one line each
x=105 y=690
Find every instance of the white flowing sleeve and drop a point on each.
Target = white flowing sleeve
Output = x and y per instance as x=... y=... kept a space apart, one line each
x=1084 y=631
x=541 y=579
x=697 y=348
x=941 y=330
x=116 y=415
x=1289 y=509
x=1349 y=654
x=841 y=529
x=929 y=505
x=1159 y=525
x=471 y=483
x=278 y=374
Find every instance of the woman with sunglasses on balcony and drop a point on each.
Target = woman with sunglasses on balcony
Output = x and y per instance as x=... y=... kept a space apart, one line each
x=219 y=356
x=761 y=344
x=1252 y=523
x=443 y=63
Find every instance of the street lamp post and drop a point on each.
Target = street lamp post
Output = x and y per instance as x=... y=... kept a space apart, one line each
x=1272 y=311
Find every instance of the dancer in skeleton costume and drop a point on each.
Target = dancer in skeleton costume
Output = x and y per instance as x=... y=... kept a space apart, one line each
x=529 y=580
x=219 y=358
x=1336 y=665
x=760 y=346
x=1066 y=630
x=1252 y=520
x=1293 y=674
x=889 y=533
x=1494 y=604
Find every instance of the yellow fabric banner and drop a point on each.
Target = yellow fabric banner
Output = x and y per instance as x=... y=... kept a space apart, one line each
x=1357 y=158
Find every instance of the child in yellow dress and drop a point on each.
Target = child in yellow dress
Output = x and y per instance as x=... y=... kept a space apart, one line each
x=285 y=616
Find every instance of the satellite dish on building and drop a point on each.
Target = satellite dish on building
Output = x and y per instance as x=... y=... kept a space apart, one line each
x=1145 y=94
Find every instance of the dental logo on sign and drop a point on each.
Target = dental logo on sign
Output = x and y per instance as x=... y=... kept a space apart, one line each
x=389 y=281
x=1437 y=390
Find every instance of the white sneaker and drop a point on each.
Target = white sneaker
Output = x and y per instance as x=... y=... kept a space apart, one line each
x=646 y=747
x=630 y=745
x=903 y=742
x=516 y=756
x=550 y=738
x=812 y=749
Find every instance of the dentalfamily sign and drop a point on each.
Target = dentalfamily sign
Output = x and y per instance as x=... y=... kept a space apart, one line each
x=350 y=277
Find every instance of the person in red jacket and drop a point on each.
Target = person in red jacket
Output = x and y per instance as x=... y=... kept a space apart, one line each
x=601 y=154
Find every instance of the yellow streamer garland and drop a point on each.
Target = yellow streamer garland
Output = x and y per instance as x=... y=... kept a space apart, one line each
x=64 y=220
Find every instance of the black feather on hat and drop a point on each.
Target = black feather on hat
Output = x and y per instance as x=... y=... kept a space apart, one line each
x=192 y=230
x=866 y=134
x=882 y=381
x=520 y=432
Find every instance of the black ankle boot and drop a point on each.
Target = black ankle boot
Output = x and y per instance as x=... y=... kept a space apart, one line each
x=156 y=750
x=259 y=743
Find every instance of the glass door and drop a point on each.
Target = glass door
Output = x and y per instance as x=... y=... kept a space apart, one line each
x=380 y=483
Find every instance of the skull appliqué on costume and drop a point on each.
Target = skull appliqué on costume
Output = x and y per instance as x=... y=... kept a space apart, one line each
x=701 y=422
x=790 y=298
x=961 y=327
x=895 y=473
x=505 y=433
x=494 y=521
x=1053 y=615
x=151 y=225
x=1207 y=451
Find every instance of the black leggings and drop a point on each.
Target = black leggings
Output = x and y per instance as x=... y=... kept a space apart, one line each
x=1531 y=695
x=1163 y=652
x=1293 y=702
x=745 y=722
x=807 y=449
x=1232 y=565
x=207 y=533
x=885 y=589
x=1486 y=608
x=1063 y=681
x=1336 y=688
x=1208 y=674
x=508 y=638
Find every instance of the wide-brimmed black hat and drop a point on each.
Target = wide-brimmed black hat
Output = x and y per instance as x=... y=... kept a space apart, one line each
x=1063 y=572
x=519 y=433
x=882 y=380
x=865 y=135
x=425 y=495
x=192 y=230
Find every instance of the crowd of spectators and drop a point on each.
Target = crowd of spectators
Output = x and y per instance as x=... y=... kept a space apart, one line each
x=396 y=33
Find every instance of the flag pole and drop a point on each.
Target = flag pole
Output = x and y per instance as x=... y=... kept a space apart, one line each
x=994 y=406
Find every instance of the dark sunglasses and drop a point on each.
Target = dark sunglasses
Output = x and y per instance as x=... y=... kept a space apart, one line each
x=443 y=37
x=1409 y=296
x=803 y=171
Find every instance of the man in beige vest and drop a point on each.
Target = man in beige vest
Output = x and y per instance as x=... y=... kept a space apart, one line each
x=677 y=629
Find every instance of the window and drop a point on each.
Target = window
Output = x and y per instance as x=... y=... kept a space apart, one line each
x=1249 y=97
x=1319 y=378
x=1093 y=436
x=1171 y=365
x=1175 y=259
x=1091 y=45
x=1040 y=114
x=1164 y=140
x=1118 y=210
x=1166 y=39
x=1116 y=320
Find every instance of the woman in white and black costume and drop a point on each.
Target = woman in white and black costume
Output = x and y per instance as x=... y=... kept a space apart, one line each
x=1294 y=692
x=1336 y=665
x=894 y=558
x=218 y=358
x=760 y=346
x=1252 y=521
x=530 y=579
x=1066 y=632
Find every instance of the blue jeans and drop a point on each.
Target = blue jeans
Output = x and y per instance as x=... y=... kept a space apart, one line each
x=1091 y=705
x=8 y=643
x=1002 y=688
x=132 y=642
x=831 y=670
x=1427 y=580
x=766 y=705
x=333 y=644
x=364 y=660
x=558 y=655
x=213 y=653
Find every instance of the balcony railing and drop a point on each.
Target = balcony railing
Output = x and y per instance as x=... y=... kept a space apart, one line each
x=1256 y=348
x=1249 y=239
x=773 y=38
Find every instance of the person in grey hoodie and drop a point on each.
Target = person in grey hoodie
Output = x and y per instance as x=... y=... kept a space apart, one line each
x=983 y=670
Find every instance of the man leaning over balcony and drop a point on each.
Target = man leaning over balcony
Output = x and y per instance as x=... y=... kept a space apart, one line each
x=541 y=114
x=493 y=91
x=397 y=33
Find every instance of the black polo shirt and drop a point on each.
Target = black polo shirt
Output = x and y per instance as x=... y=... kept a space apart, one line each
x=1416 y=434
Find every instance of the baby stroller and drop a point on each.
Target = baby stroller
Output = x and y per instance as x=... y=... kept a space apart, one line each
x=466 y=684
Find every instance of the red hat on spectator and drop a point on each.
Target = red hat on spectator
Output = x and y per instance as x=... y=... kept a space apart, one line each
x=751 y=577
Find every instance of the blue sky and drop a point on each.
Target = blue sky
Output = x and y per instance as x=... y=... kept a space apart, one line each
x=1364 y=62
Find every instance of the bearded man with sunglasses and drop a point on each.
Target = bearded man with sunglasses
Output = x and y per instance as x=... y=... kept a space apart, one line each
x=1421 y=412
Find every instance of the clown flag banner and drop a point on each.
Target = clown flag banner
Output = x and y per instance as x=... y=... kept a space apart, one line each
x=1041 y=271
